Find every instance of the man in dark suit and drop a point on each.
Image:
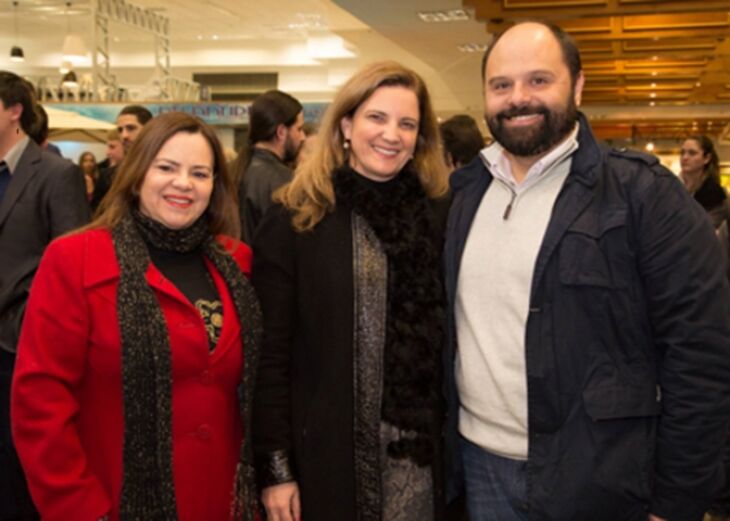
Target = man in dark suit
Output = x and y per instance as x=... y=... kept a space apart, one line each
x=41 y=197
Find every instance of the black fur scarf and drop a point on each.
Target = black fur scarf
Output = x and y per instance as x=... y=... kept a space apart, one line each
x=401 y=215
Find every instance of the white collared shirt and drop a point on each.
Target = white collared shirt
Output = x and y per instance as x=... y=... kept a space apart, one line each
x=12 y=158
x=496 y=161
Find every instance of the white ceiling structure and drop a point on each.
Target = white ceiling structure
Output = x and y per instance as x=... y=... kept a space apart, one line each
x=264 y=36
x=277 y=36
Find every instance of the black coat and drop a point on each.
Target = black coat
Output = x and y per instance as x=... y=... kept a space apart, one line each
x=264 y=174
x=46 y=197
x=304 y=398
x=627 y=343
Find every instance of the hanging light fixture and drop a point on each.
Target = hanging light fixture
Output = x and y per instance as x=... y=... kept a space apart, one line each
x=69 y=79
x=74 y=50
x=16 y=52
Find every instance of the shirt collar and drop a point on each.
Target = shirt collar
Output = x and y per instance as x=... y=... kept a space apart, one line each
x=495 y=159
x=13 y=156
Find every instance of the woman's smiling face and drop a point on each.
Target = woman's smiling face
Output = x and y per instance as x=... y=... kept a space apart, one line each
x=383 y=132
x=178 y=184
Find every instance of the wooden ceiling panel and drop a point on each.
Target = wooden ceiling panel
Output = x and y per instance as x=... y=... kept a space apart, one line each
x=668 y=22
x=637 y=52
x=660 y=45
x=492 y=9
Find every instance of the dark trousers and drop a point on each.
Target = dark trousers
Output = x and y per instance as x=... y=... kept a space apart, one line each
x=15 y=502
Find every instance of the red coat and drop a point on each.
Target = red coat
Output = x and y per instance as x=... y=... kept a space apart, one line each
x=66 y=402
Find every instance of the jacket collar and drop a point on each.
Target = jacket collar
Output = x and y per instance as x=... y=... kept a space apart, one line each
x=265 y=155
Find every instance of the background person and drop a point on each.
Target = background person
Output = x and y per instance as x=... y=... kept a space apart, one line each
x=347 y=411
x=41 y=197
x=461 y=140
x=700 y=173
x=130 y=121
x=275 y=135
x=87 y=163
x=137 y=415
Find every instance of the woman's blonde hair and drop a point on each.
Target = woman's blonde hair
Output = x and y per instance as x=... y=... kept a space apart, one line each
x=311 y=194
x=124 y=192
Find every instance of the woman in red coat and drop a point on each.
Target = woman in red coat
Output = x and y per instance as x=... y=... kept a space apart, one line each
x=124 y=399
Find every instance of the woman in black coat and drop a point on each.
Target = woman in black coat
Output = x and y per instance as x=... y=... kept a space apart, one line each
x=347 y=408
x=701 y=176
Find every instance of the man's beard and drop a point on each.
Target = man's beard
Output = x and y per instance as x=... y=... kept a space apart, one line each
x=535 y=140
x=290 y=150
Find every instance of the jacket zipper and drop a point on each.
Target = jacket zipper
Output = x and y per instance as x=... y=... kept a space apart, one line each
x=508 y=210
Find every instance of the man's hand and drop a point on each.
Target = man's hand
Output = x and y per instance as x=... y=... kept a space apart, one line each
x=652 y=517
x=282 y=502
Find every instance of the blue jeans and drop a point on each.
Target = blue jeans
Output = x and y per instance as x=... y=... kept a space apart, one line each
x=495 y=487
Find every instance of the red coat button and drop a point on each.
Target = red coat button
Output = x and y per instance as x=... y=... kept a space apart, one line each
x=204 y=432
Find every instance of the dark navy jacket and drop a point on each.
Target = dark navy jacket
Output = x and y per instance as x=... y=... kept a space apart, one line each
x=627 y=343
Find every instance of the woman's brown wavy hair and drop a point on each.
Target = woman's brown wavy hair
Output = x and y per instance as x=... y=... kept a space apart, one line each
x=311 y=194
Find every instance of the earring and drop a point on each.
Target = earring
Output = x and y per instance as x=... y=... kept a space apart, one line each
x=346 y=144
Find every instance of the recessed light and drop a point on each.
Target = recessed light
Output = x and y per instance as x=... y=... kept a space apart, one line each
x=652 y=103
x=451 y=15
x=655 y=58
x=654 y=73
x=200 y=37
x=215 y=37
x=472 y=47
x=652 y=95
x=653 y=85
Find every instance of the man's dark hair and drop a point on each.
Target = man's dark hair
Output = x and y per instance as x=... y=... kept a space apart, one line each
x=39 y=131
x=15 y=90
x=268 y=111
x=143 y=115
x=571 y=55
x=461 y=138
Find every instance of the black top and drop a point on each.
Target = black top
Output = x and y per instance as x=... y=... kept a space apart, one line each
x=187 y=271
x=264 y=174
x=711 y=194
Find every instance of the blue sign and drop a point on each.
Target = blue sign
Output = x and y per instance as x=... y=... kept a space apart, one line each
x=229 y=114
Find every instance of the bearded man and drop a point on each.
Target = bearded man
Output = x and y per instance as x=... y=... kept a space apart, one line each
x=590 y=310
x=276 y=121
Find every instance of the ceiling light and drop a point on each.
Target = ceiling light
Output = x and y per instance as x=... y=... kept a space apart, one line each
x=652 y=103
x=451 y=15
x=329 y=46
x=655 y=58
x=653 y=73
x=698 y=84
x=215 y=36
x=472 y=47
x=649 y=147
x=653 y=85
x=652 y=95
x=16 y=52
x=74 y=49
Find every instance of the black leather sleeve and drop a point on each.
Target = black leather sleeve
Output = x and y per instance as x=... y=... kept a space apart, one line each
x=274 y=468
